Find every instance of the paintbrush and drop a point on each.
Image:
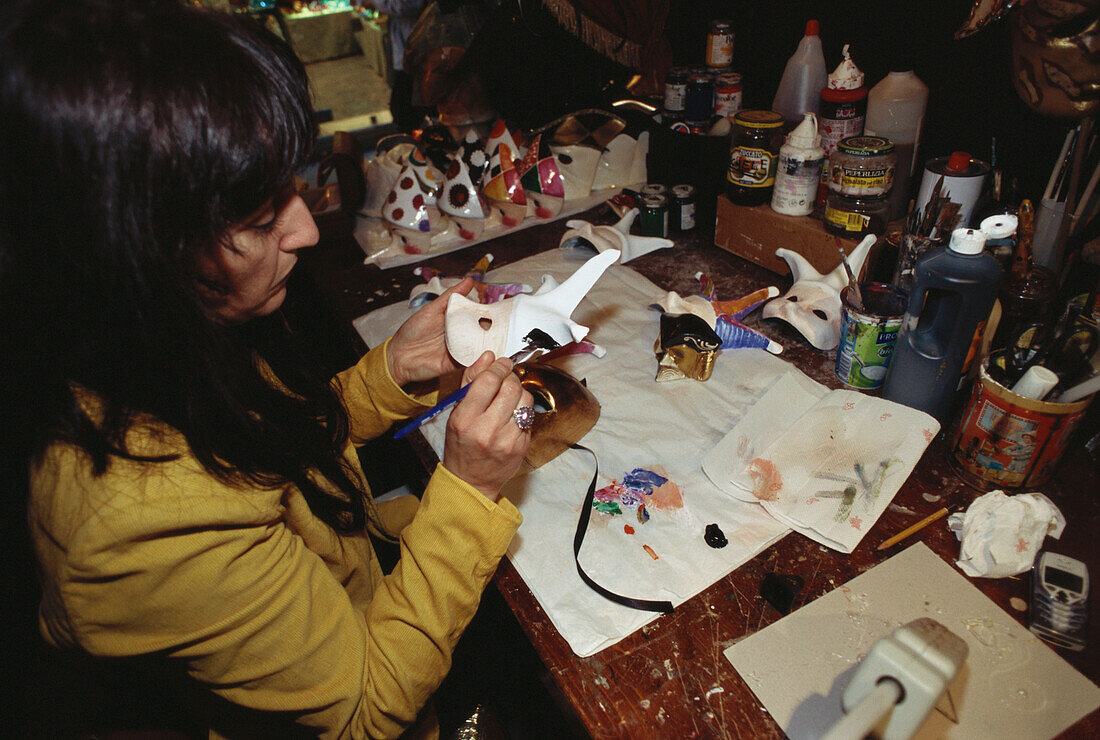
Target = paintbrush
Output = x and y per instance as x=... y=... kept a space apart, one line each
x=947 y=219
x=537 y=341
x=1025 y=234
x=854 y=296
x=931 y=208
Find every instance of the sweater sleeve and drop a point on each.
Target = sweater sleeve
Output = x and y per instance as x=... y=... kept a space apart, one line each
x=164 y=560
x=373 y=399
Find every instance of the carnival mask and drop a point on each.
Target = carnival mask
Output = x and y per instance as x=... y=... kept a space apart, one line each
x=1056 y=56
x=472 y=328
x=579 y=141
x=565 y=410
x=686 y=348
x=585 y=237
x=812 y=305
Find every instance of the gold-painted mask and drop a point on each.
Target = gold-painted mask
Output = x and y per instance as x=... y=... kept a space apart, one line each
x=1056 y=56
x=564 y=411
x=686 y=348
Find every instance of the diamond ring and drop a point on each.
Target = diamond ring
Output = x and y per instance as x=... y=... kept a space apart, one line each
x=524 y=417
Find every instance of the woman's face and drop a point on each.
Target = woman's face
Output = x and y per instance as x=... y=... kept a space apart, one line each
x=246 y=276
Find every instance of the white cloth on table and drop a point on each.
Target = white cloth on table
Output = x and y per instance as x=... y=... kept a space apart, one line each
x=663 y=427
x=827 y=463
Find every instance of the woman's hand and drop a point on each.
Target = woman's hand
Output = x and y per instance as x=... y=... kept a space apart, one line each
x=484 y=445
x=418 y=351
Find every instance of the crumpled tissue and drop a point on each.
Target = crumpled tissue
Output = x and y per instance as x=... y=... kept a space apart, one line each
x=1000 y=535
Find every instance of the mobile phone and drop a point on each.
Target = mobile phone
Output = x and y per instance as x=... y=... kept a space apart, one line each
x=1060 y=600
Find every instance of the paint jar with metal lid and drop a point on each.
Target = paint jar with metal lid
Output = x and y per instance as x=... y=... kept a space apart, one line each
x=719 y=44
x=862 y=166
x=653 y=215
x=681 y=208
x=754 y=149
x=654 y=188
x=699 y=107
x=727 y=94
x=853 y=217
x=676 y=82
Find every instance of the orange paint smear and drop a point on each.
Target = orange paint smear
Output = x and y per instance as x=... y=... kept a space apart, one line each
x=766 y=480
x=666 y=497
x=628 y=529
x=649 y=549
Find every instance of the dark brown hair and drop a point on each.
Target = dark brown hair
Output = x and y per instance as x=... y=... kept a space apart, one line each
x=132 y=134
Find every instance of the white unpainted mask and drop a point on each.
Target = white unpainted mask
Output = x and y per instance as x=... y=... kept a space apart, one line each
x=584 y=236
x=812 y=305
x=472 y=328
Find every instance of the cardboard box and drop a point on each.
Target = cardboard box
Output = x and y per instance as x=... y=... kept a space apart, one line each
x=756 y=232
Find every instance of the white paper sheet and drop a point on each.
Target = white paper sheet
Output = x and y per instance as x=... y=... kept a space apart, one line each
x=661 y=426
x=1012 y=684
x=827 y=463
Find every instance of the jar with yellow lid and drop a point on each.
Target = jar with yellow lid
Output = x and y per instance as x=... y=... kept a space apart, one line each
x=754 y=149
x=862 y=166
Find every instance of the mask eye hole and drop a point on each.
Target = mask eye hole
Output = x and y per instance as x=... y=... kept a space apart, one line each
x=485 y=323
x=542 y=403
x=792 y=298
x=821 y=314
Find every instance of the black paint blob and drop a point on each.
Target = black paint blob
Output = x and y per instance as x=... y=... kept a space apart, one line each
x=715 y=537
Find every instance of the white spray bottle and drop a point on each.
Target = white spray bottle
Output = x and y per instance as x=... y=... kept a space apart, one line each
x=799 y=169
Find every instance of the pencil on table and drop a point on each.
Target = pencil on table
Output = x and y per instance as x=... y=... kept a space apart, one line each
x=910 y=530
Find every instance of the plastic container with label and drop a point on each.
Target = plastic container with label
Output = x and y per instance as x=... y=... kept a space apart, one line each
x=798 y=171
x=954 y=288
x=895 y=110
x=800 y=86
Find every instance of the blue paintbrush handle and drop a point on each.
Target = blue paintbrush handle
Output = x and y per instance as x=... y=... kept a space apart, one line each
x=431 y=413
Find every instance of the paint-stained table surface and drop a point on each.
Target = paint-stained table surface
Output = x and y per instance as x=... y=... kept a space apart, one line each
x=670 y=679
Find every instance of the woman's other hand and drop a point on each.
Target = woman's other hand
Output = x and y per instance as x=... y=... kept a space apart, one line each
x=418 y=351
x=484 y=444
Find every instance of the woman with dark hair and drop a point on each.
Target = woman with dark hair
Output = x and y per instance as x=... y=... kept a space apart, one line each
x=194 y=496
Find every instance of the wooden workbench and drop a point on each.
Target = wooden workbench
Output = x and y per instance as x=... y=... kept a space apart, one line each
x=670 y=679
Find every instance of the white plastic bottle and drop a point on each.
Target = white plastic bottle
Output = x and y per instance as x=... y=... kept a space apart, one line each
x=895 y=110
x=798 y=171
x=803 y=78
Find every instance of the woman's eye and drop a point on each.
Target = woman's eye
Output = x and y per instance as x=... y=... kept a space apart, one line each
x=266 y=226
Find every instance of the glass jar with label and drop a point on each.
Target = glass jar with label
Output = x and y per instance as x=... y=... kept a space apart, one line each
x=853 y=217
x=754 y=148
x=862 y=166
x=719 y=45
x=676 y=83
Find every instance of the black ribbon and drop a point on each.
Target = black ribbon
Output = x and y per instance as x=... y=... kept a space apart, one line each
x=664 y=607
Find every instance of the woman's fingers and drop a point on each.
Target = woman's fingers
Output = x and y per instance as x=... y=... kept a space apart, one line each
x=484 y=444
x=480 y=365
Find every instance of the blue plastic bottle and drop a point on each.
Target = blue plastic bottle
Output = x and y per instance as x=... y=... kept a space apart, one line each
x=954 y=288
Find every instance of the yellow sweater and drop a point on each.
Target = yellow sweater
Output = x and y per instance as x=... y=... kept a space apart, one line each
x=263 y=603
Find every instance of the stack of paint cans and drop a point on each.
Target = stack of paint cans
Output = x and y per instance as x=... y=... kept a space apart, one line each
x=694 y=98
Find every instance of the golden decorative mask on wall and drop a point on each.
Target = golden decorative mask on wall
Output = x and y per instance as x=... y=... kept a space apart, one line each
x=1056 y=56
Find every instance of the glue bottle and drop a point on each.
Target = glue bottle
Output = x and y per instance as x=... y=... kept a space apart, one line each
x=954 y=288
x=843 y=111
x=799 y=170
x=800 y=86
